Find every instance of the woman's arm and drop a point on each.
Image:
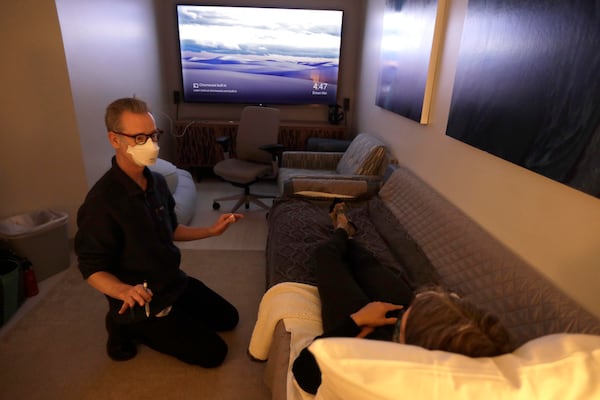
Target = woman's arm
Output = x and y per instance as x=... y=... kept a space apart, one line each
x=373 y=315
x=306 y=369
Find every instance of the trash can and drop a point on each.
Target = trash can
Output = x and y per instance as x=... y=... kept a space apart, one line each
x=41 y=236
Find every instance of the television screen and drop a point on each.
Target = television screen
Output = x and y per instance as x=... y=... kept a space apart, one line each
x=258 y=55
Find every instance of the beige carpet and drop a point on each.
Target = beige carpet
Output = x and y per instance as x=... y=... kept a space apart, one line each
x=57 y=350
x=249 y=233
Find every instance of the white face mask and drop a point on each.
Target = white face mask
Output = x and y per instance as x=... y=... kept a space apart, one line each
x=144 y=154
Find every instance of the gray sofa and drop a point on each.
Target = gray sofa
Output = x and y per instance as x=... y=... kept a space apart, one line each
x=416 y=232
x=182 y=187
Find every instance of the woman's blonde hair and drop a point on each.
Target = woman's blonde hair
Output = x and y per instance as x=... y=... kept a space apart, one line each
x=440 y=320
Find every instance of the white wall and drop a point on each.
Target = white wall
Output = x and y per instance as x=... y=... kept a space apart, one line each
x=552 y=226
x=65 y=61
x=41 y=164
x=111 y=51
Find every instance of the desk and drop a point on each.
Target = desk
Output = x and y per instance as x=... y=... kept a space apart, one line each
x=196 y=145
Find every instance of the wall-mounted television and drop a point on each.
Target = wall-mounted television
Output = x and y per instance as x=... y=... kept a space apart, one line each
x=259 y=55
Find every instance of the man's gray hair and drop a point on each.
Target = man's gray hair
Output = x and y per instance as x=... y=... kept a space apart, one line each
x=112 y=118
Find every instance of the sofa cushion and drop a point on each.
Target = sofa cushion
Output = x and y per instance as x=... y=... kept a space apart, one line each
x=363 y=157
x=561 y=366
x=331 y=187
x=287 y=174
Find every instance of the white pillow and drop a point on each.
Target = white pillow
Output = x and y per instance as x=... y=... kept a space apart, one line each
x=560 y=366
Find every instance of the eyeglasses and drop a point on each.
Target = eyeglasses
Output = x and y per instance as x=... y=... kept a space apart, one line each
x=396 y=313
x=142 y=138
x=398 y=326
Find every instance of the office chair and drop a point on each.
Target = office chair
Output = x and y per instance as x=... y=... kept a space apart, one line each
x=256 y=156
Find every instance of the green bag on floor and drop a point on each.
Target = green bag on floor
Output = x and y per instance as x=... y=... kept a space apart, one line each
x=11 y=286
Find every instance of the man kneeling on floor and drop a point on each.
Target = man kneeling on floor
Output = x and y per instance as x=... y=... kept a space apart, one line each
x=124 y=244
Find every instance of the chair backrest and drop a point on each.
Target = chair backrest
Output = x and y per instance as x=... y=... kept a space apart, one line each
x=258 y=126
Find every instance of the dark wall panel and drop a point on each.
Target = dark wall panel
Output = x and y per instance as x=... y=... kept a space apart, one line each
x=527 y=86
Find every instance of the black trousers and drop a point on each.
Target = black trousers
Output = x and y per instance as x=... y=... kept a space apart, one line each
x=189 y=331
x=349 y=277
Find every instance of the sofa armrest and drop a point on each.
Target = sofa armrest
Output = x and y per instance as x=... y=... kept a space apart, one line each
x=311 y=159
x=333 y=186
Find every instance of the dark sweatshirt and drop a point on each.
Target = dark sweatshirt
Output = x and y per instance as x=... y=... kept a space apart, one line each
x=305 y=368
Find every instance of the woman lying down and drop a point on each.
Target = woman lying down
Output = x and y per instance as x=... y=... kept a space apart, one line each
x=361 y=298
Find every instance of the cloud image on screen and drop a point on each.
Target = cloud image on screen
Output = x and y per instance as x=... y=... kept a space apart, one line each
x=259 y=55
